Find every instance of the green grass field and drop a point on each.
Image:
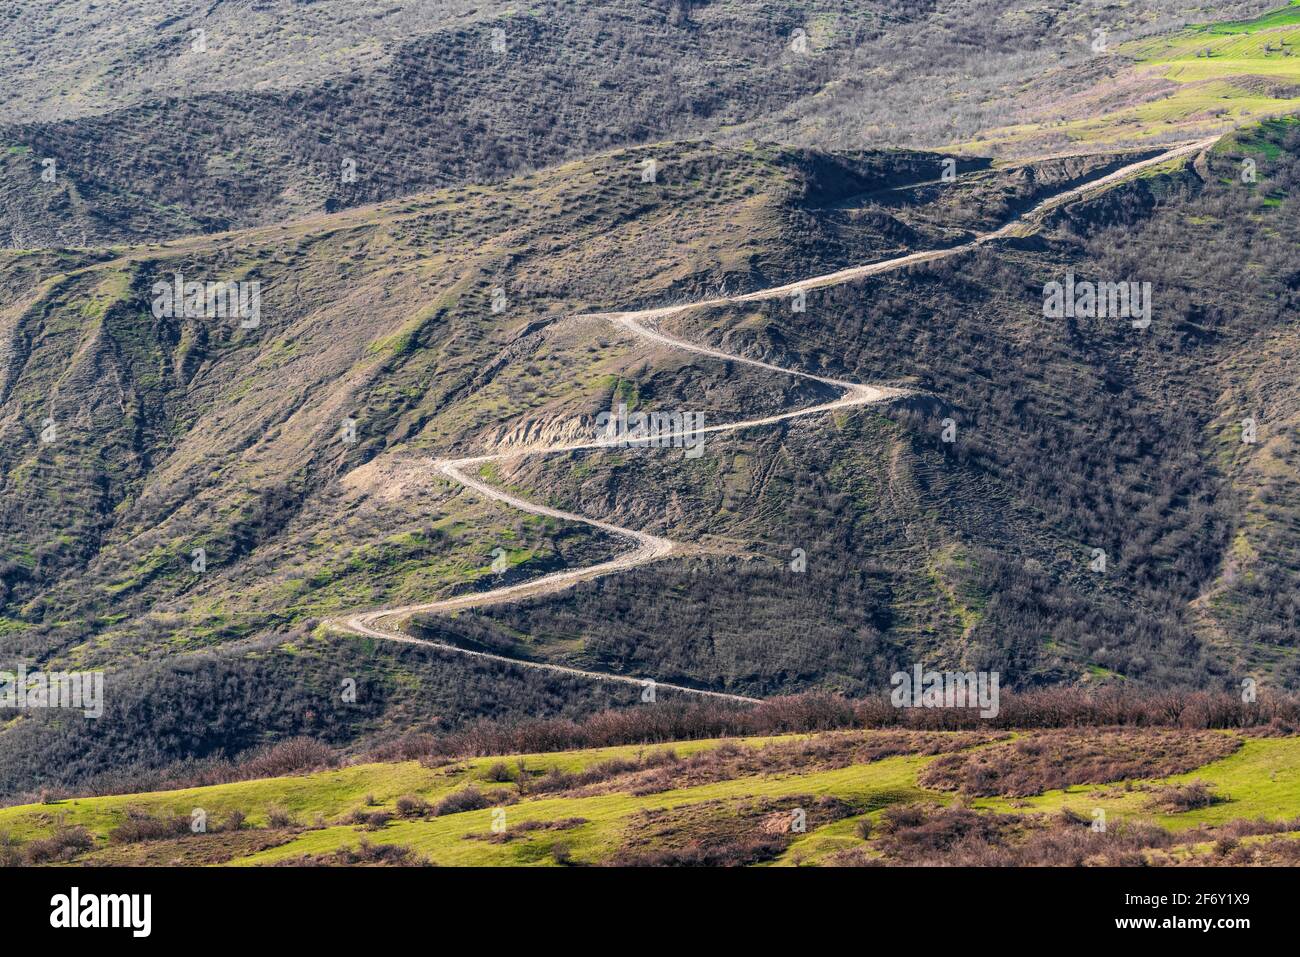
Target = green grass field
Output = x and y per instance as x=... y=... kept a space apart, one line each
x=1224 y=75
x=1287 y=16
x=1261 y=779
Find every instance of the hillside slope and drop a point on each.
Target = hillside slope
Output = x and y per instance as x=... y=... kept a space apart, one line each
x=294 y=452
x=843 y=798
x=175 y=434
x=1073 y=438
x=291 y=109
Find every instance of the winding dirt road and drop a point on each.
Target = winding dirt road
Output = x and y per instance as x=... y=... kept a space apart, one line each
x=650 y=548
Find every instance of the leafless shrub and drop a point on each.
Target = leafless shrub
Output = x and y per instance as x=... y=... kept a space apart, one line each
x=746 y=850
x=278 y=817
x=365 y=854
x=466 y=799
x=10 y=850
x=1059 y=758
x=932 y=834
x=1250 y=827
x=1186 y=797
x=1276 y=851
x=140 y=826
x=63 y=845
x=412 y=805
x=523 y=828
x=370 y=820
x=1064 y=707
x=294 y=756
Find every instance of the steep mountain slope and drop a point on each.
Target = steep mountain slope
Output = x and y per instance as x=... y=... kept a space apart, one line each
x=176 y=434
x=295 y=108
x=132 y=440
x=1072 y=438
x=188 y=501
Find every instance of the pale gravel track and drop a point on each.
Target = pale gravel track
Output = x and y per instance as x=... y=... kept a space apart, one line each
x=651 y=548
